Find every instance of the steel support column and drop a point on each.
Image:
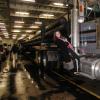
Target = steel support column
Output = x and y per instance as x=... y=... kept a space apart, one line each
x=75 y=31
x=75 y=27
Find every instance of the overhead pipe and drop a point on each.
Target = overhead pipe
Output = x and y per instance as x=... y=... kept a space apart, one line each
x=57 y=23
x=51 y=32
x=31 y=43
x=46 y=37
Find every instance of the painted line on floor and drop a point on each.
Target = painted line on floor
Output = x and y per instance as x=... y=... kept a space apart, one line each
x=90 y=92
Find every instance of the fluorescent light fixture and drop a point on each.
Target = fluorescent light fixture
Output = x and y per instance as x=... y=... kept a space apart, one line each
x=58 y=4
x=2 y=26
x=0 y=38
x=81 y=19
x=67 y=5
x=29 y=0
x=18 y=26
x=2 y=23
x=30 y=37
x=5 y=33
x=22 y=13
x=3 y=29
x=23 y=35
x=14 y=35
x=16 y=31
x=19 y=22
x=6 y=37
x=47 y=15
x=89 y=8
x=38 y=22
x=38 y=32
x=28 y=31
x=34 y=26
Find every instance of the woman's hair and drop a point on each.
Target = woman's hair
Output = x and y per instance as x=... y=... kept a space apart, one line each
x=55 y=37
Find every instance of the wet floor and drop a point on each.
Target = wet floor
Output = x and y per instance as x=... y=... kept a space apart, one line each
x=17 y=84
x=13 y=82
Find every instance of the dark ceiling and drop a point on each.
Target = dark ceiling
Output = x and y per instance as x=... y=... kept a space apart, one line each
x=28 y=23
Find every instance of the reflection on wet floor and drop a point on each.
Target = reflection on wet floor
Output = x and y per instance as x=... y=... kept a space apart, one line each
x=17 y=84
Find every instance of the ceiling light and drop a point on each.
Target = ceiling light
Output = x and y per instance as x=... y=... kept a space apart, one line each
x=18 y=26
x=3 y=29
x=16 y=31
x=34 y=26
x=2 y=23
x=5 y=33
x=58 y=4
x=28 y=31
x=89 y=8
x=38 y=32
x=48 y=15
x=20 y=38
x=30 y=37
x=19 y=22
x=2 y=26
x=14 y=35
x=0 y=38
x=66 y=5
x=7 y=37
x=81 y=19
x=29 y=0
x=23 y=35
x=38 y=22
x=24 y=14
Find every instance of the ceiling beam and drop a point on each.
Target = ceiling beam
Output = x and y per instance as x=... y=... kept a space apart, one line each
x=31 y=16
x=40 y=8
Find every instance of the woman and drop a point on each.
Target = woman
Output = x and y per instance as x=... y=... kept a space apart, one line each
x=67 y=47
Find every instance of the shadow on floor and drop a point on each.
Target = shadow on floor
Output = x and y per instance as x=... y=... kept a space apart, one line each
x=33 y=70
x=32 y=98
x=9 y=98
x=11 y=87
x=54 y=95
